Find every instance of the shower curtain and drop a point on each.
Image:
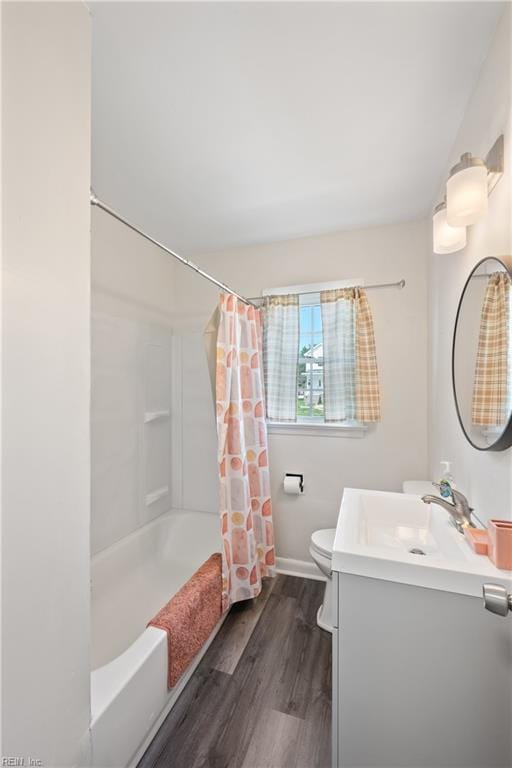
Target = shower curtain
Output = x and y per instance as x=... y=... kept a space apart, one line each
x=245 y=504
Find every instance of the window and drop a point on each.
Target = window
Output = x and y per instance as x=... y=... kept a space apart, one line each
x=310 y=377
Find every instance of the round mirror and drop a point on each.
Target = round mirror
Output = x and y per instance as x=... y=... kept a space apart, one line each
x=482 y=356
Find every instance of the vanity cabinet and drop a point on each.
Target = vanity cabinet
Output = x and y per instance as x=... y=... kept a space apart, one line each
x=421 y=677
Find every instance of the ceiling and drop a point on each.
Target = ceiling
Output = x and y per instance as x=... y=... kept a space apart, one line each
x=222 y=124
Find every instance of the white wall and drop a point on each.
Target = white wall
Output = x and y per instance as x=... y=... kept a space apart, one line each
x=484 y=476
x=392 y=451
x=45 y=384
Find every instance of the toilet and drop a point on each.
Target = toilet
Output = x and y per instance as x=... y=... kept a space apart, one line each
x=320 y=549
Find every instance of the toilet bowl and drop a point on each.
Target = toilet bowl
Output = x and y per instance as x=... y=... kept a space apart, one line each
x=320 y=549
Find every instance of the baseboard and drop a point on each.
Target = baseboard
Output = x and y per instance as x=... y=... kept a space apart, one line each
x=303 y=568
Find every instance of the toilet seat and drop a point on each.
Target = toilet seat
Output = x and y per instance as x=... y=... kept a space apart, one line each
x=322 y=541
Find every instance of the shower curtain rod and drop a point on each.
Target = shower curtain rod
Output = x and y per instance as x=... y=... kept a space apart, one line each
x=186 y=262
x=190 y=264
x=399 y=284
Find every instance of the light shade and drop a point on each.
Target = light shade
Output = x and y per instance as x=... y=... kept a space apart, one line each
x=447 y=239
x=466 y=192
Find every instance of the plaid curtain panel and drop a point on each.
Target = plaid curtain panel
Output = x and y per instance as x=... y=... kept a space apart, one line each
x=491 y=395
x=338 y=328
x=351 y=380
x=281 y=356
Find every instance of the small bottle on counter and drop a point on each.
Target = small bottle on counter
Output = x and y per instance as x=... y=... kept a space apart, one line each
x=447 y=481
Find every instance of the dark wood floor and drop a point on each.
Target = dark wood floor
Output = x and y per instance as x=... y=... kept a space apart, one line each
x=261 y=696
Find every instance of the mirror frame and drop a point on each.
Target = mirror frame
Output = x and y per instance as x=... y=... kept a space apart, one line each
x=505 y=439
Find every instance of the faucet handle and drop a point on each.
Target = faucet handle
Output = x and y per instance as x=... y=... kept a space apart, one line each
x=460 y=496
x=463 y=504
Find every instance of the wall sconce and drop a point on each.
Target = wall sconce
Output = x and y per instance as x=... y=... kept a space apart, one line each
x=447 y=239
x=470 y=183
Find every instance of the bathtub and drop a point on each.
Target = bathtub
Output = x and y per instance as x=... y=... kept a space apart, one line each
x=130 y=582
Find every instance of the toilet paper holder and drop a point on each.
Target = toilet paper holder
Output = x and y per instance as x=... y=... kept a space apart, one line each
x=301 y=479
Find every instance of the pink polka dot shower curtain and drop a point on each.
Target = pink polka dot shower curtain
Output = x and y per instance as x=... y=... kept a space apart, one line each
x=245 y=504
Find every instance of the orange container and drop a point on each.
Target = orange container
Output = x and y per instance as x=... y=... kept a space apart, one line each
x=478 y=540
x=500 y=543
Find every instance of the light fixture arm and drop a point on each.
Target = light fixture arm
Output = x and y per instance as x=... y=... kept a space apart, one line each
x=466 y=161
x=495 y=162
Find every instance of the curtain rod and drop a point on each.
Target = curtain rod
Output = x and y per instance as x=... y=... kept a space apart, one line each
x=95 y=201
x=399 y=284
x=186 y=262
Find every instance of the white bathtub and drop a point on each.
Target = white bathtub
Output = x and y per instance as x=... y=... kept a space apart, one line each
x=130 y=582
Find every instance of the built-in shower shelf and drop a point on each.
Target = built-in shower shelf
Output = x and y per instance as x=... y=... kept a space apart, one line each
x=155 y=416
x=154 y=496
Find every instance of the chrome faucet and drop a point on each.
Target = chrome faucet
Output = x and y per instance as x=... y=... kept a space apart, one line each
x=458 y=508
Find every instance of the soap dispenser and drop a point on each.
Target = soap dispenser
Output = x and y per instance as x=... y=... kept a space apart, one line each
x=447 y=481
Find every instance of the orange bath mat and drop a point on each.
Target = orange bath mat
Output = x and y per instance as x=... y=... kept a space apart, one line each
x=190 y=616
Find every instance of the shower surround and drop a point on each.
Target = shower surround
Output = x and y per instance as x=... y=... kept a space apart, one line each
x=130 y=582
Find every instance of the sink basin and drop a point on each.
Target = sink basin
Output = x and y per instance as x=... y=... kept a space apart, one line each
x=397 y=537
x=393 y=521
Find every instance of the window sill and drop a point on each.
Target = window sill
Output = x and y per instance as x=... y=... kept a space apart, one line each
x=316 y=430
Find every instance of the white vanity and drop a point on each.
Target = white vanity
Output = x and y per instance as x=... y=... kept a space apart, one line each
x=422 y=674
